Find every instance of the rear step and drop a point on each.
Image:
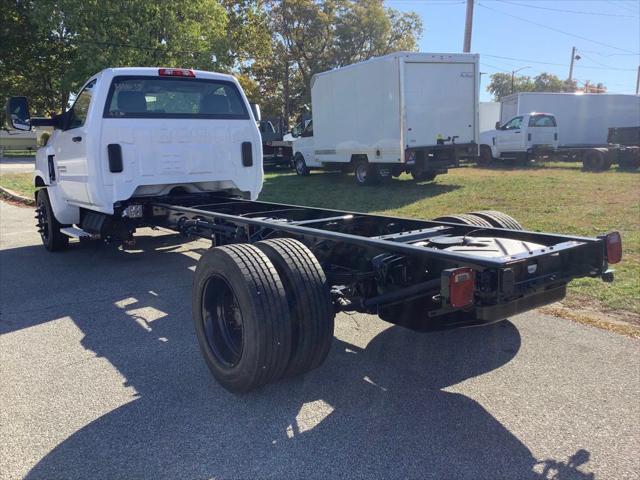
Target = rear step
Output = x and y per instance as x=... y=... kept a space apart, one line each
x=75 y=232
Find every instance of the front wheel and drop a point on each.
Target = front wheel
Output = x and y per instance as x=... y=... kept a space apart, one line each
x=300 y=165
x=48 y=227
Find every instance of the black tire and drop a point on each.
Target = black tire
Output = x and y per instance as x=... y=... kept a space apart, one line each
x=596 y=161
x=365 y=173
x=464 y=218
x=498 y=219
x=425 y=176
x=310 y=308
x=241 y=317
x=48 y=227
x=300 y=165
x=486 y=157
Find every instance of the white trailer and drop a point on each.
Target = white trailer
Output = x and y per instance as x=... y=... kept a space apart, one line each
x=403 y=112
x=583 y=119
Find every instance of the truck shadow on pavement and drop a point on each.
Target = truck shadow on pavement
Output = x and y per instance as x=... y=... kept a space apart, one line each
x=375 y=410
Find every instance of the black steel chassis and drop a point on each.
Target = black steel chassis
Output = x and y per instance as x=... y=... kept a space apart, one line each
x=375 y=261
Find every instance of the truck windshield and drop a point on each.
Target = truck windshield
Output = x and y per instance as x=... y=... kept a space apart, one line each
x=163 y=97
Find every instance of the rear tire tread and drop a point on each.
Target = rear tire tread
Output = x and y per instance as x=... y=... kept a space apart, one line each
x=309 y=301
x=271 y=324
x=498 y=219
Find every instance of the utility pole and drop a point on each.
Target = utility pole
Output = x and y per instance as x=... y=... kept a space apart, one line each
x=513 y=78
x=467 y=27
x=573 y=57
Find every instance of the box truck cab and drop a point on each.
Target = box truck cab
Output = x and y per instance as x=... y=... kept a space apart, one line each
x=520 y=137
x=136 y=132
x=403 y=112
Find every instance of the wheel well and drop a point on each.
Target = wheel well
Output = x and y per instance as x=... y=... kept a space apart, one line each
x=38 y=183
x=357 y=157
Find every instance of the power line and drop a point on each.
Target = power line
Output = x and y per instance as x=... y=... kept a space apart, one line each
x=566 y=11
x=559 y=64
x=637 y=54
x=554 y=29
x=495 y=68
x=622 y=6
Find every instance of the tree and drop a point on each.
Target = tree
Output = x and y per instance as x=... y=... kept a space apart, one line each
x=312 y=36
x=501 y=84
x=51 y=47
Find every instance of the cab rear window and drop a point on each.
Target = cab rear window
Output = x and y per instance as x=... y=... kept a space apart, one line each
x=162 y=97
x=542 y=121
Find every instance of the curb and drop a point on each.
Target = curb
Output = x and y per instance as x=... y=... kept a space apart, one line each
x=16 y=197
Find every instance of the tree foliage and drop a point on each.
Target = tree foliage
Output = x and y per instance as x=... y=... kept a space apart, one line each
x=501 y=85
x=50 y=47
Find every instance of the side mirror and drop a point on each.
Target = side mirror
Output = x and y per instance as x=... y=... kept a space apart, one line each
x=497 y=125
x=18 y=113
x=255 y=109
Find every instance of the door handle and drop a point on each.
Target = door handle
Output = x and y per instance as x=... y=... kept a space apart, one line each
x=517 y=131
x=76 y=139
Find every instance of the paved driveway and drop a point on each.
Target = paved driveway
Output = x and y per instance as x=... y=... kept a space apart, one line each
x=17 y=164
x=100 y=377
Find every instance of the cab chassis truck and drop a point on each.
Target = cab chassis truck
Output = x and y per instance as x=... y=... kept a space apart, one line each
x=265 y=294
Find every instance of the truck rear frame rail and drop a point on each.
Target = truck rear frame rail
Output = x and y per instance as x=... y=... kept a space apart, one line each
x=374 y=261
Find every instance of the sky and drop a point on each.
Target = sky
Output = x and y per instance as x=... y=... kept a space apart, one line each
x=539 y=35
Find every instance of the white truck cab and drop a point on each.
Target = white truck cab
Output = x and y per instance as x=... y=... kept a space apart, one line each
x=520 y=137
x=146 y=132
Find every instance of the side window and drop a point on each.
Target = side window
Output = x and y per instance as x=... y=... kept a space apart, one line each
x=542 y=121
x=513 y=124
x=308 y=130
x=297 y=130
x=78 y=113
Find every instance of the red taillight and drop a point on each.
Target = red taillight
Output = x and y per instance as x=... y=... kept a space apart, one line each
x=461 y=287
x=614 y=247
x=176 y=72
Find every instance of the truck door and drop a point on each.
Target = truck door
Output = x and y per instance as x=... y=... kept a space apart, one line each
x=71 y=149
x=511 y=136
x=440 y=102
x=542 y=130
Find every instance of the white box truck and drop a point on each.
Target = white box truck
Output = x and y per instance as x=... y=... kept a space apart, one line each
x=403 y=112
x=572 y=126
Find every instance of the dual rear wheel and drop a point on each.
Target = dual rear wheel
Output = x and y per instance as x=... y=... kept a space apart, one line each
x=261 y=312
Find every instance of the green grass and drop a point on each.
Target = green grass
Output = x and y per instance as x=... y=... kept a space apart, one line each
x=553 y=197
x=19 y=153
x=21 y=183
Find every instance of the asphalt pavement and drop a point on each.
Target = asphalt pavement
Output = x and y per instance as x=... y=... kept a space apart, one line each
x=101 y=377
x=17 y=164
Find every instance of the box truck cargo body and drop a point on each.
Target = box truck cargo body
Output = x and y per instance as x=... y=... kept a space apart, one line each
x=489 y=115
x=414 y=112
x=583 y=119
